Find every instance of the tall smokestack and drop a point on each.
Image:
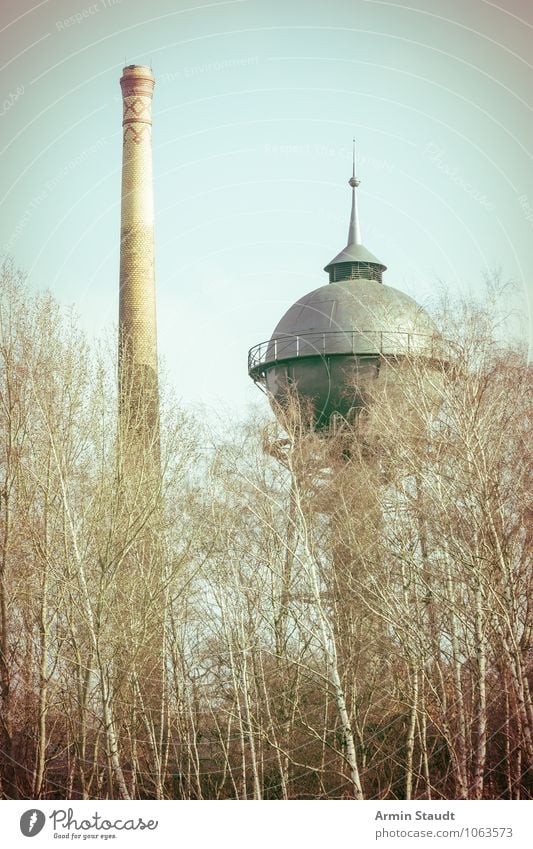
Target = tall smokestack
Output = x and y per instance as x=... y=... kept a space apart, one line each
x=138 y=383
x=139 y=575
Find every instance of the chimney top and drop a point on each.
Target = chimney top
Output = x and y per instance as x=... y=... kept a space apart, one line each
x=137 y=70
x=137 y=80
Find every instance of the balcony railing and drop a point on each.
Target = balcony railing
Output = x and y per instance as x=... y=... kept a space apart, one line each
x=338 y=342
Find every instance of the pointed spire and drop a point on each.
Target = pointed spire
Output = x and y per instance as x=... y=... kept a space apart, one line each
x=354 y=231
x=355 y=261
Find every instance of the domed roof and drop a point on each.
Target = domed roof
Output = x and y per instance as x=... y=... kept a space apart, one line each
x=362 y=305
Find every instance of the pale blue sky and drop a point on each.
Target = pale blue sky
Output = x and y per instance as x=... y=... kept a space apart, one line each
x=255 y=106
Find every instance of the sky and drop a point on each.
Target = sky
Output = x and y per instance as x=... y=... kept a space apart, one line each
x=255 y=106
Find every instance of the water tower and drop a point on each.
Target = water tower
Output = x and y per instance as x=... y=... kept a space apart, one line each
x=338 y=338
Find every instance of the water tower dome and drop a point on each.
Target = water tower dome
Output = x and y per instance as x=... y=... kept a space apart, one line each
x=336 y=338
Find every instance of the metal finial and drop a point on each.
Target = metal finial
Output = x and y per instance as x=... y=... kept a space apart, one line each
x=354 y=231
x=353 y=181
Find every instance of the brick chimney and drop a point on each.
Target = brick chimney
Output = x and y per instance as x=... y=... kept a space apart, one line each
x=138 y=381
